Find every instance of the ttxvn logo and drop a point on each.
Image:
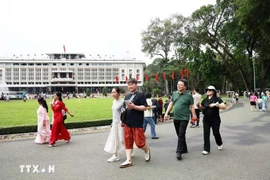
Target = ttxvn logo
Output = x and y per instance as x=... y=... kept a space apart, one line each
x=37 y=169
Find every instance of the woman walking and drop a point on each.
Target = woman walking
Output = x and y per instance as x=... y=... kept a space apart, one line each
x=43 y=128
x=210 y=107
x=148 y=117
x=253 y=100
x=58 y=129
x=115 y=140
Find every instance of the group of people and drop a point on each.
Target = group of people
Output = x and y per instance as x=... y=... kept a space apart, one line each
x=259 y=102
x=130 y=132
x=58 y=130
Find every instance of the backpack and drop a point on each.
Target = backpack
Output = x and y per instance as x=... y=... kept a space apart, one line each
x=155 y=103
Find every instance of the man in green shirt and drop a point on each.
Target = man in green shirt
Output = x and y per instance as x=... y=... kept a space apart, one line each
x=183 y=104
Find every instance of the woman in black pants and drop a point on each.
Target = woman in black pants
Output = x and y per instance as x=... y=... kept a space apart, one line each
x=210 y=107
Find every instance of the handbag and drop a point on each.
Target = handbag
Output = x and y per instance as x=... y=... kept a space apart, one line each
x=124 y=110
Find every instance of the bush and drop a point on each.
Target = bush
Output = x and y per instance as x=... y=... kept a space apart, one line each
x=87 y=92
x=74 y=125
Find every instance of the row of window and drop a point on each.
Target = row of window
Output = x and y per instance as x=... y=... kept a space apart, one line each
x=80 y=82
x=70 y=64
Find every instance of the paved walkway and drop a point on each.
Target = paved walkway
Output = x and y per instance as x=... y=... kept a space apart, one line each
x=246 y=156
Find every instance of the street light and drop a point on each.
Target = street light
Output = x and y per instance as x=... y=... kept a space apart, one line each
x=254 y=73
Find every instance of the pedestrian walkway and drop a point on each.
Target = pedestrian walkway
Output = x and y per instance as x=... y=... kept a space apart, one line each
x=245 y=154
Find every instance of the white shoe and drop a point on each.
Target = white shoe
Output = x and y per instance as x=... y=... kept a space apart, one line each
x=220 y=147
x=126 y=164
x=205 y=152
x=114 y=159
x=147 y=156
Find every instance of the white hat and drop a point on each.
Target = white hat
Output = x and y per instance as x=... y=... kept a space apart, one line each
x=210 y=88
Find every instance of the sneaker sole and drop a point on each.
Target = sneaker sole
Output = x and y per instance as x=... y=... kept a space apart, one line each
x=114 y=160
x=126 y=165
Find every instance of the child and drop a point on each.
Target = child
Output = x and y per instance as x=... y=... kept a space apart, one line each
x=259 y=101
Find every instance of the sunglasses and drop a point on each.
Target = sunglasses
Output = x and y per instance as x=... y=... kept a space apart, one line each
x=209 y=89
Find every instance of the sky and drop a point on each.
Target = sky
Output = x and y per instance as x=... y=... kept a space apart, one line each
x=104 y=27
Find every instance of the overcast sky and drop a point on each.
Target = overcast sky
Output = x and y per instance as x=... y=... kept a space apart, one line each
x=105 y=27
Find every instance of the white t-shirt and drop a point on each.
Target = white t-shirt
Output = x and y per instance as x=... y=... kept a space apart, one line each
x=148 y=113
x=197 y=98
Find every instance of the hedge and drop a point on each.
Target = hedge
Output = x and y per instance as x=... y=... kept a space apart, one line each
x=72 y=125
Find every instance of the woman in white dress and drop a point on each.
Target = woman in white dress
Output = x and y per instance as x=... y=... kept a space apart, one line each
x=115 y=141
x=43 y=129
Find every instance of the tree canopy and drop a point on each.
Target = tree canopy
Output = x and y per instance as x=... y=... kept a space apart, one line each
x=225 y=45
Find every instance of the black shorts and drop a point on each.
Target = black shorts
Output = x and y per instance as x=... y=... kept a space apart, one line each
x=252 y=103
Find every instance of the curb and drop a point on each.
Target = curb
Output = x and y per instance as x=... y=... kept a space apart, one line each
x=32 y=135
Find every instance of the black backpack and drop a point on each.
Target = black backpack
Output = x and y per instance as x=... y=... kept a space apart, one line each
x=155 y=103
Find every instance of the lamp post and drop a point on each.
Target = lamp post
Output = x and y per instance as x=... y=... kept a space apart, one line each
x=254 y=72
x=254 y=75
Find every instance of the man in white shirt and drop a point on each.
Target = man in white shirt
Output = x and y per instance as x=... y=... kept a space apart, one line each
x=197 y=99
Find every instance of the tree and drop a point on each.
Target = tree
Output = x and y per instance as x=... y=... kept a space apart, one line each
x=254 y=18
x=87 y=92
x=159 y=38
x=213 y=27
x=105 y=91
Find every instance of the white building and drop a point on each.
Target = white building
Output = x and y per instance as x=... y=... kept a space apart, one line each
x=66 y=72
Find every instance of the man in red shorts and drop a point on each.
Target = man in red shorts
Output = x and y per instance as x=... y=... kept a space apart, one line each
x=133 y=130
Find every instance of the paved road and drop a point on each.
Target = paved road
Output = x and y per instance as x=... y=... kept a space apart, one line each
x=246 y=154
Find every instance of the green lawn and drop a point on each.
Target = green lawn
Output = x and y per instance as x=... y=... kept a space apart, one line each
x=19 y=113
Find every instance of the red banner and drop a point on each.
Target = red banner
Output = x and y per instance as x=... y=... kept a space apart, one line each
x=173 y=75
x=126 y=78
x=187 y=73
x=156 y=77
x=137 y=77
x=146 y=77
x=164 y=76
x=116 y=79
x=64 y=47
x=181 y=74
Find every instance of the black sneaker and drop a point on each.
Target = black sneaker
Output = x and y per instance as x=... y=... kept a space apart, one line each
x=179 y=156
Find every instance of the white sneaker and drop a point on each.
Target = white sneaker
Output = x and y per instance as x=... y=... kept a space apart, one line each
x=114 y=159
x=220 y=147
x=205 y=152
x=147 y=156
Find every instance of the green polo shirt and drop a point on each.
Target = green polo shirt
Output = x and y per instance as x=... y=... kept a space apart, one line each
x=182 y=104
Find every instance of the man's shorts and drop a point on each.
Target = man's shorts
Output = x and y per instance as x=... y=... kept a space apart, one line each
x=132 y=135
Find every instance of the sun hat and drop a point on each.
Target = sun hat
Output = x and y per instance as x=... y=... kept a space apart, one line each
x=211 y=88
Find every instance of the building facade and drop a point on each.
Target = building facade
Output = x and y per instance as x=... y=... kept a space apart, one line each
x=67 y=72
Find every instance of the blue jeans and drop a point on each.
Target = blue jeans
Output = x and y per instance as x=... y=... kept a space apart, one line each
x=264 y=106
x=152 y=125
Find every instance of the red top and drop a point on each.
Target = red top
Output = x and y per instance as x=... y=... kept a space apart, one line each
x=57 y=110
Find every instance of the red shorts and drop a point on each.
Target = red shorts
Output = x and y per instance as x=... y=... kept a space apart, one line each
x=132 y=135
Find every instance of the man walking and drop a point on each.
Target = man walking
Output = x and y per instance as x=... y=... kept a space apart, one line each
x=133 y=130
x=183 y=103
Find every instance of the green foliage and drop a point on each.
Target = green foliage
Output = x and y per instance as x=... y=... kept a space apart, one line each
x=87 y=92
x=217 y=43
x=156 y=91
x=105 y=91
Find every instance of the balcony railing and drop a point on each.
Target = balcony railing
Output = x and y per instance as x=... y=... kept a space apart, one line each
x=62 y=79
